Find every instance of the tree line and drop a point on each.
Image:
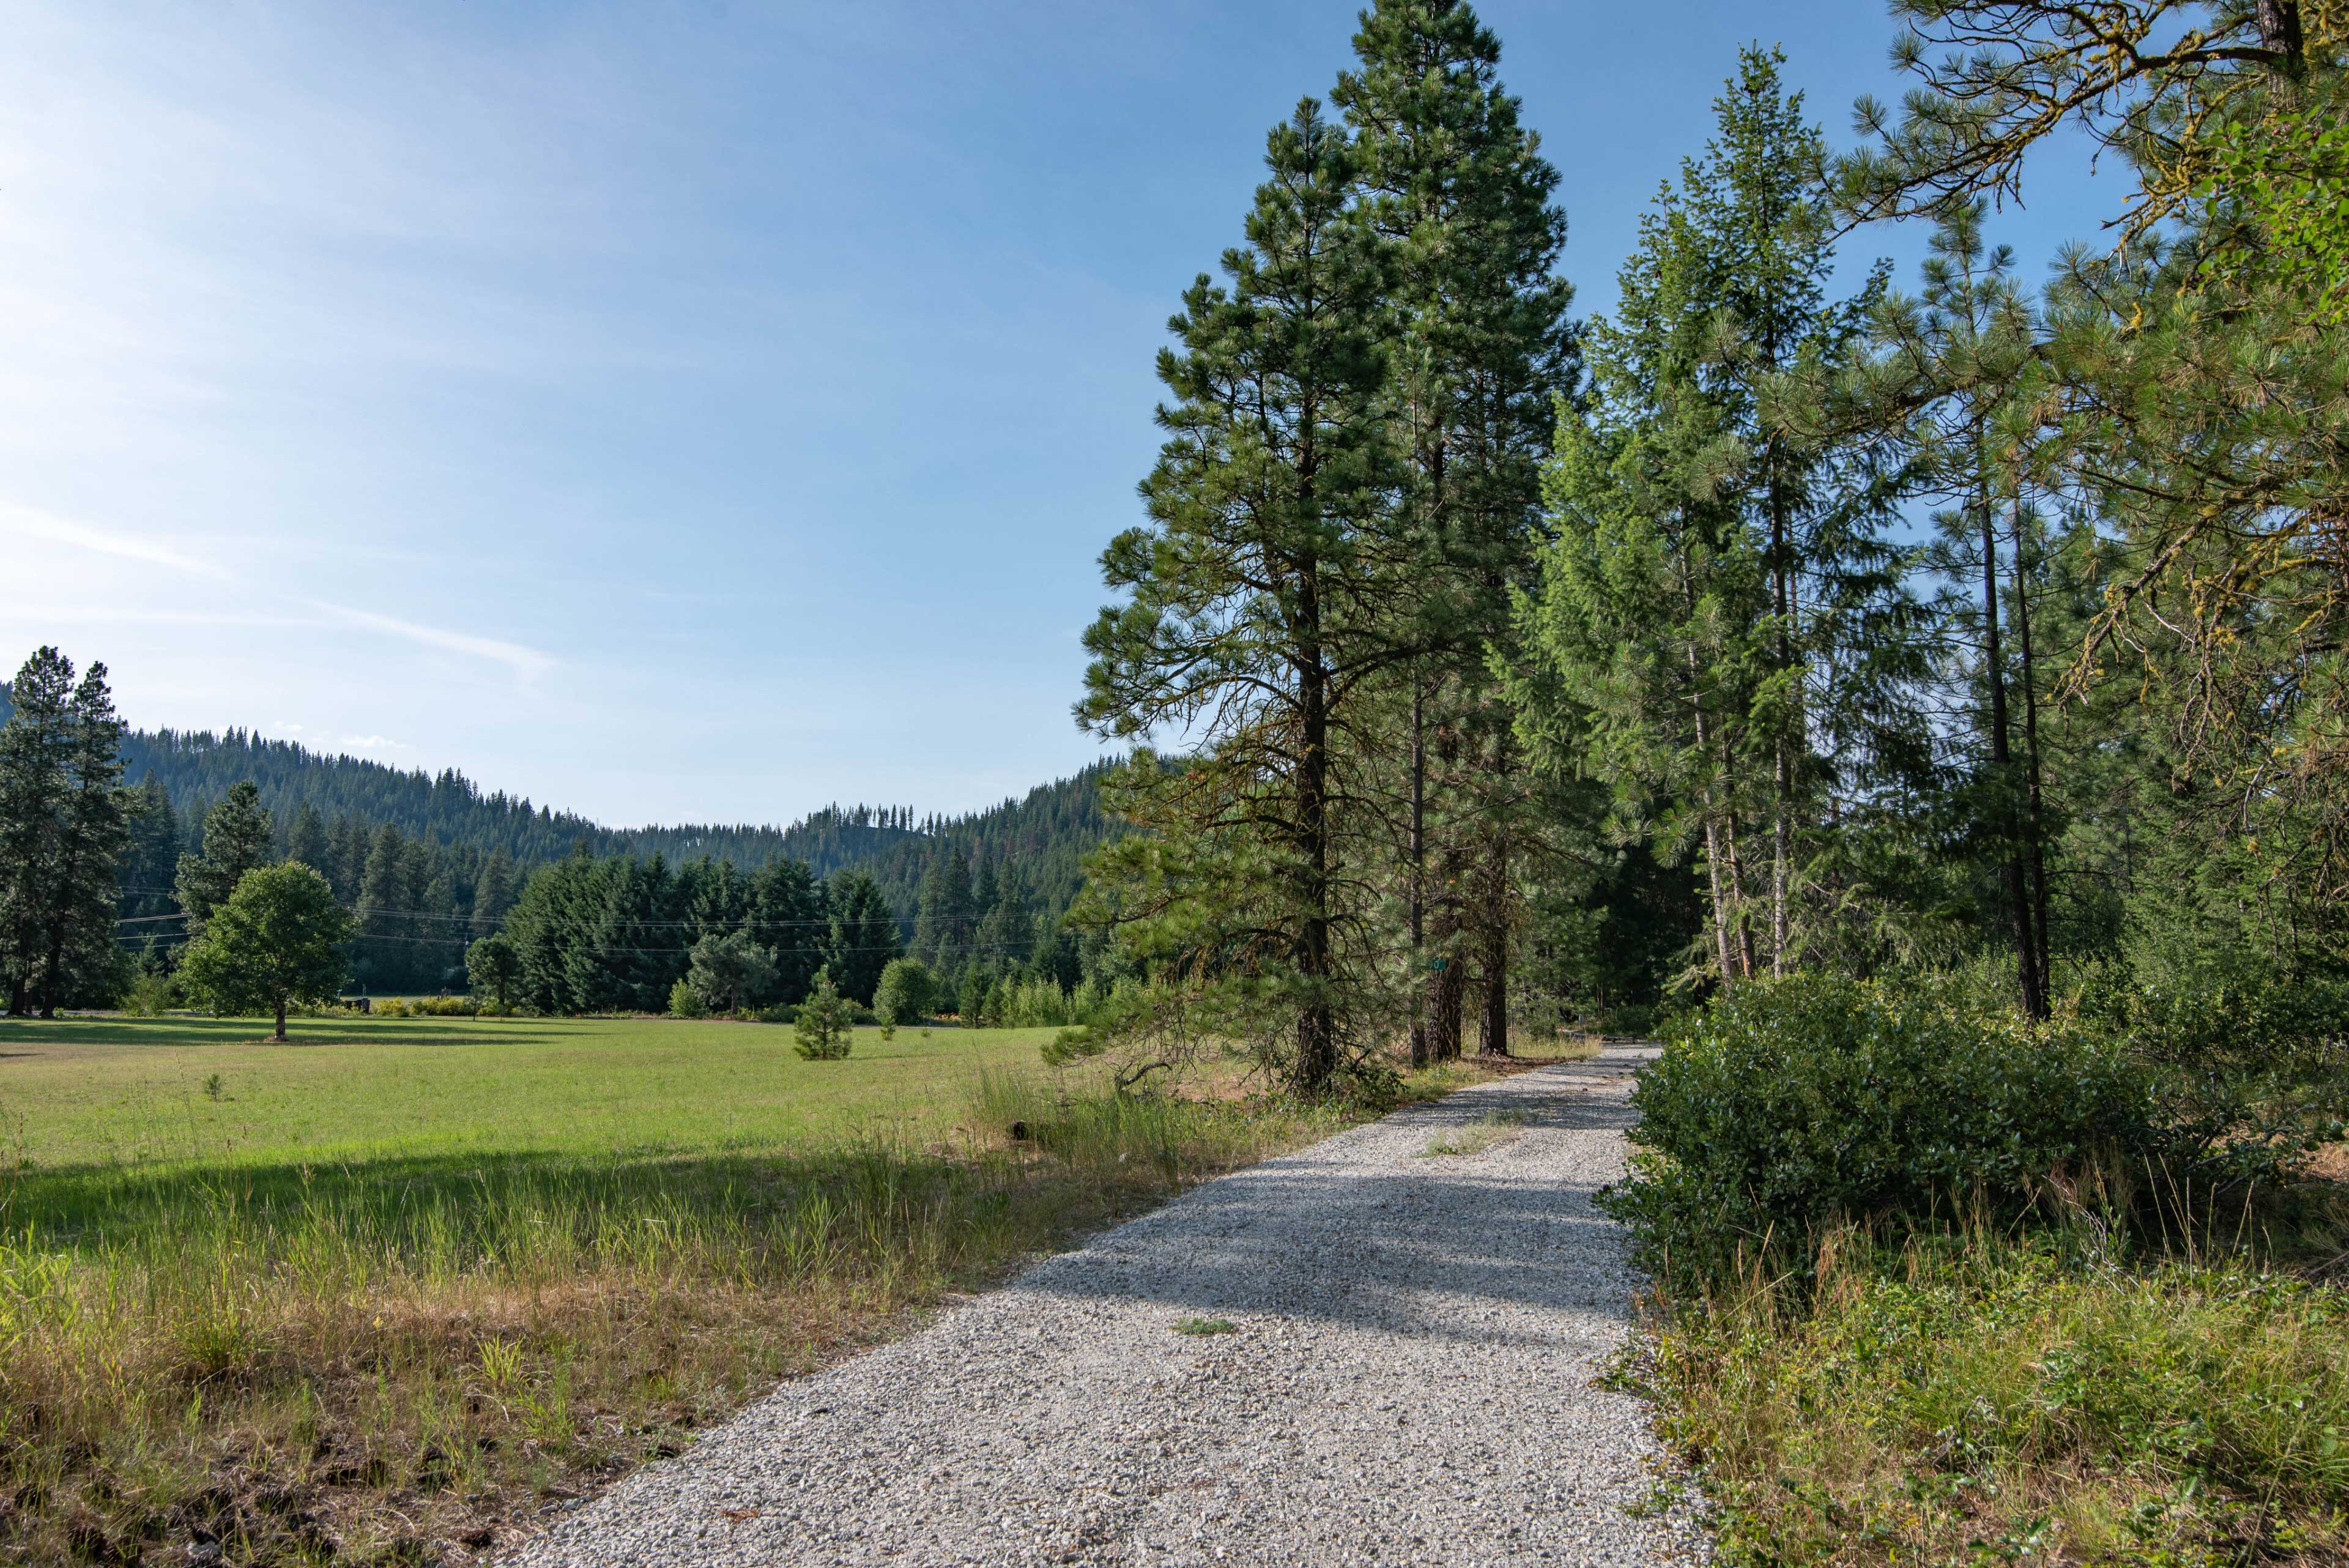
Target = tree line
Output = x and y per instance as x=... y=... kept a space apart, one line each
x=102 y=884
x=1487 y=662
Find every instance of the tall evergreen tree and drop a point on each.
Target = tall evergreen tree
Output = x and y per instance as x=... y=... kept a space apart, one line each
x=943 y=922
x=152 y=856
x=1959 y=371
x=863 y=935
x=93 y=827
x=1261 y=595
x=1480 y=348
x=1723 y=616
x=382 y=924
x=237 y=838
x=789 y=917
x=35 y=780
x=493 y=892
x=306 y=840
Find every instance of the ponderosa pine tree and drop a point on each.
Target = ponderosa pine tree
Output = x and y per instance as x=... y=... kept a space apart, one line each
x=943 y=922
x=78 y=936
x=305 y=839
x=64 y=824
x=383 y=924
x=1957 y=370
x=237 y=837
x=35 y=778
x=1260 y=601
x=493 y=893
x=863 y=935
x=2201 y=385
x=151 y=858
x=1479 y=347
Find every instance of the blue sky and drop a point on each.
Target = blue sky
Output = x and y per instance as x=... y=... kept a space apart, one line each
x=679 y=411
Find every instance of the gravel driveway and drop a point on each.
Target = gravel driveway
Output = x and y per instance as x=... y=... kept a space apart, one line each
x=1408 y=1381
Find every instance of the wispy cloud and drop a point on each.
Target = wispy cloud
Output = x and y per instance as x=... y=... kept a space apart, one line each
x=28 y=523
x=527 y=663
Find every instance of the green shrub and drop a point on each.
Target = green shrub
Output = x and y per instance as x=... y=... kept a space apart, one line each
x=1788 y=1106
x=684 y=1002
x=2252 y=1069
x=152 y=995
x=822 y=1029
x=906 y=993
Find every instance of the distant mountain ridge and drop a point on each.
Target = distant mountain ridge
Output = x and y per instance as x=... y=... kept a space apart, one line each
x=1046 y=833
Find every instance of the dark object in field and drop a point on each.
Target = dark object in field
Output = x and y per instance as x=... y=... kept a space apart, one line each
x=1020 y=1132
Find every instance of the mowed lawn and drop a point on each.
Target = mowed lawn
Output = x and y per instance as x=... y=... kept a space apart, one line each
x=108 y=1092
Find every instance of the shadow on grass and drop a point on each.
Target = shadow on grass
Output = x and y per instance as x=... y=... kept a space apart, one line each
x=464 y=1210
x=300 y=1032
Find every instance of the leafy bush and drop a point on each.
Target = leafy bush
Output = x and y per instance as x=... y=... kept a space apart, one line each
x=906 y=992
x=1787 y=1105
x=2252 y=1069
x=684 y=1002
x=726 y=971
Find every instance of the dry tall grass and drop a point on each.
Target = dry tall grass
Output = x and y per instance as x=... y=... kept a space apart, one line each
x=407 y=1361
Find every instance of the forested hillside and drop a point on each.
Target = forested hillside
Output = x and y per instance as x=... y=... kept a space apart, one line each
x=428 y=862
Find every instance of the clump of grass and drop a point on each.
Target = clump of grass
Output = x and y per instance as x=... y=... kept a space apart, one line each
x=1493 y=1127
x=1204 y=1325
x=1983 y=1400
x=358 y=1358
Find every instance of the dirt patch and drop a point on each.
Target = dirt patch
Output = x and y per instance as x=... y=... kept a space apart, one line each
x=2329 y=1163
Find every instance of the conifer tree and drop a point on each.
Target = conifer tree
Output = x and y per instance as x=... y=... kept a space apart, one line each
x=1258 y=601
x=305 y=839
x=863 y=935
x=36 y=779
x=152 y=859
x=237 y=838
x=79 y=917
x=788 y=917
x=943 y=922
x=382 y=924
x=493 y=893
x=1480 y=346
x=825 y=1027
x=1958 y=372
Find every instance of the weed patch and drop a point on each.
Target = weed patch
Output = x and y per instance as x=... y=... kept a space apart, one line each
x=1493 y=1128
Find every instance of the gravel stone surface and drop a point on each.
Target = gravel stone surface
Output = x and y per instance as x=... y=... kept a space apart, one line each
x=1409 y=1380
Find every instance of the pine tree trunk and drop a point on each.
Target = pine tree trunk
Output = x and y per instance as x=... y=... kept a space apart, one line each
x=2034 y=846
x=1715 y=857
x=1447 y=979
x=1746 y=962
x=1782 y=825
x=1418 y=877
x=1316 y=1045
x=2026 y=946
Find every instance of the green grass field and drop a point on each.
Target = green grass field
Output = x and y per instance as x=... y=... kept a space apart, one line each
x=399 y=1281
x=117 y=1093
